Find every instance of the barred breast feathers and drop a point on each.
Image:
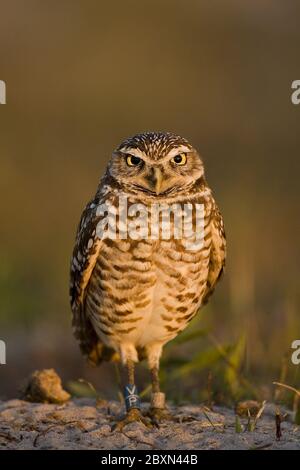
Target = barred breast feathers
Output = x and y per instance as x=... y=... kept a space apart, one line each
x=88 y=248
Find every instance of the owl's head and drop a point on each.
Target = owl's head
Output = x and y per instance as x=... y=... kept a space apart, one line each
x=156 y=163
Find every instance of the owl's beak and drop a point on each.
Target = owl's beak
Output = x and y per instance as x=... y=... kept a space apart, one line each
x=154 y=179
x=158 y=177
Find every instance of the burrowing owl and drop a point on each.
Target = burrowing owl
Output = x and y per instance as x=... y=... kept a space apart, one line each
x=132 y=292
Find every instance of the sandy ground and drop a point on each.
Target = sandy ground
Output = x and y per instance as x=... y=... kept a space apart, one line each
x=81 y=424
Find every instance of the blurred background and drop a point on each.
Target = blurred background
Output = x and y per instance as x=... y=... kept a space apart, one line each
x=83 y=75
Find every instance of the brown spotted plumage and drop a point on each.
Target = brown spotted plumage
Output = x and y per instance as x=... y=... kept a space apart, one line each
x=129 y=296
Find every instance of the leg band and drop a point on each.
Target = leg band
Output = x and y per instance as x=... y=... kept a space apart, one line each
x=158 y=400
x=131 y=396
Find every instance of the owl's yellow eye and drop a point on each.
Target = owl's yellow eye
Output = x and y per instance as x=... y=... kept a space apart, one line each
x=179 y=159
x=131 y=160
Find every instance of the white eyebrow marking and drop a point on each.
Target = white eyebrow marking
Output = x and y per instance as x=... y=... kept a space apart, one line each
x=177 y=150
x=134 y=152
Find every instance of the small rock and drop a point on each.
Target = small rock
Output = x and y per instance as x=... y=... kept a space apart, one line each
x=242 y=408
x=105 y=430
x=44 y=386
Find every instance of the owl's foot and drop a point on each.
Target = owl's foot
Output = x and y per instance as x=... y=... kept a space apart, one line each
x=160 y=415
x=133 y=416
x=158 y=412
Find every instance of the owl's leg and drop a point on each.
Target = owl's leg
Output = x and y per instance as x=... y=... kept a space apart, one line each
x=158 y=411
x=132 y=401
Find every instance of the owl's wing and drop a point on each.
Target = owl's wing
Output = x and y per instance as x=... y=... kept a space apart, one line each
x=217 y=252
x=85 y=254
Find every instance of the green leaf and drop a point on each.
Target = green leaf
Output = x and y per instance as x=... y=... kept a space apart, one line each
x=189 y=336
x=238 y=425
x=234 y=362
x=81 y=388
x=199 y=362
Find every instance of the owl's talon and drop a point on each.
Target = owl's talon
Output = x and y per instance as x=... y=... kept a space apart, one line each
x=133 y=416
x=159 y=415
